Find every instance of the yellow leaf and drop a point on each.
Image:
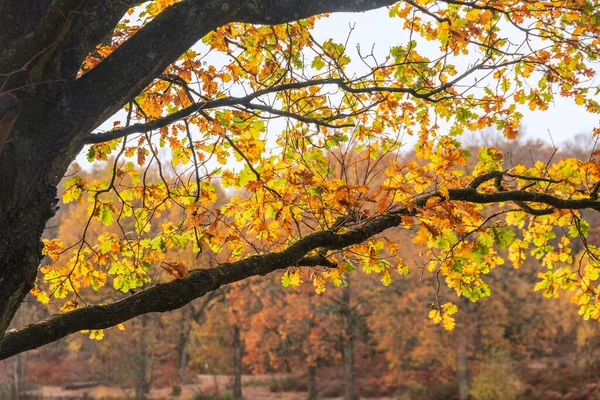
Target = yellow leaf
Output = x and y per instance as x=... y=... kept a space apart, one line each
x=510 y=132
x=295 y=278
x=472 y=15
x=69 y=305
x=532 y=105
x=443 y=189
x=97 y=334
x=319 y=283
x=435 y=316
x=40 y=295
x=448 y=322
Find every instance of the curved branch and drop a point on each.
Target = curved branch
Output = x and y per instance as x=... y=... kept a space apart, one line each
x=245 y=101
x=289 y=114
x=38 y=36
x=481 y=179
x=175 y=294
x=200 y=106
x=472 y=196
x=142 y=58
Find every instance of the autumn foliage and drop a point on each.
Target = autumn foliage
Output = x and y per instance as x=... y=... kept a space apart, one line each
x=286 y=332
x=262 y=149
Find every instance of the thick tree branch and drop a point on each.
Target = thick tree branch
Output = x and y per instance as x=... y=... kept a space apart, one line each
x=8 y=115
x=46 y=24
x=142 y=58
x=94 y=26
x=46 y=41
x=201 y=106
x=245 y=101
x=175 y=294
x=19 y=18
x=429 y=95
x=473 y=196
x=147 y=54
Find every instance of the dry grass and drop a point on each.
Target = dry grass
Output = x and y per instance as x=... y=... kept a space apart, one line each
x=253 y=389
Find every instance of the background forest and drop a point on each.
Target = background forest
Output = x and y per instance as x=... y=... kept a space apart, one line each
x=361 y=338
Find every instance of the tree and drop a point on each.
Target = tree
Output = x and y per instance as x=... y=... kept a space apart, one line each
x=289 y=331
x=68 y=66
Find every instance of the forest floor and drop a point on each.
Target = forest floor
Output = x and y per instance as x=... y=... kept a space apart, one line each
x=254 y=387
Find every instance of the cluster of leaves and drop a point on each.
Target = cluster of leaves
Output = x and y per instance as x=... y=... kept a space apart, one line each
x=396 y=348
x=191 y=133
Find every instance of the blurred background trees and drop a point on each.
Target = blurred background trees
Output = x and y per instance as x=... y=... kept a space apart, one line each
x=359 y=339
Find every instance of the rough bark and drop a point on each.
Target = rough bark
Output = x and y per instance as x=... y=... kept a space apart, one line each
x=8 y=115
x=27 y=201
x=42 y=45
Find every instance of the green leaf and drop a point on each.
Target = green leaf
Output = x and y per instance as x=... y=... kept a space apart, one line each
x=106 y=215
x=503 y=237
x=505 y=84
x=91 y=154
x=285 y=279
x=318 y=63
x=245 y=176
x=386 y=279
x=486 y=239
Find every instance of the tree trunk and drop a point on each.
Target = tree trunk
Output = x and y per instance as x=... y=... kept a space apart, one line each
x=462 y=370
x=312 y=383
x=17 y=379
x=350 y=390
x=34 y=156
x=463 y=374
x=144 y=355
x=27 y=202
x=184 y=336
x=184 y=339
x=182 y=363
x=237 y=363
x=348 y=346
x=141 y=387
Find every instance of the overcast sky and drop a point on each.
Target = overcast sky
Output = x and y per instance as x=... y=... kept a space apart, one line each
x=563 y=119
x=374 y=29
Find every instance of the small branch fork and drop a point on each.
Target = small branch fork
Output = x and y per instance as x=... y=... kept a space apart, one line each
x=497 y=176
x=246 y=102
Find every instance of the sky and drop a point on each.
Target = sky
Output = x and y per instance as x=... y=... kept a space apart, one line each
x=563 y=119
x=375 y=30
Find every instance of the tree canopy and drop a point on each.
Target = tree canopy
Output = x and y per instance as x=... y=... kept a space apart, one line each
x=271 y=150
